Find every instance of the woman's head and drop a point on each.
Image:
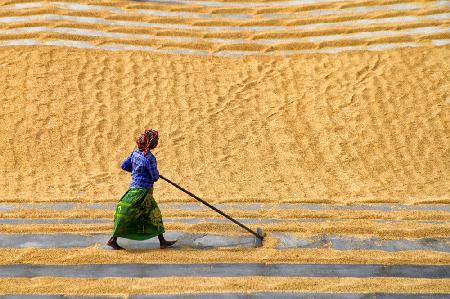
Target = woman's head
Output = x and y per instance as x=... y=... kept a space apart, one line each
x=147 y=141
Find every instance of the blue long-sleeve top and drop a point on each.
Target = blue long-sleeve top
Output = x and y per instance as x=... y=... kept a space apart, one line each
x=144 y=171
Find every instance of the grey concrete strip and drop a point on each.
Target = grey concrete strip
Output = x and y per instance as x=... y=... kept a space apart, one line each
x=246 y=220
x=53 y=221
x=243 y=206
x=57 y=206
x=201 y=241
x=410 y=221
x=272 y=295
x=50 y=241
x=226 y=270
x=26 y=296
x=198 y=241
x=369 y=207
x=168 y=220
x=352 y=243
x=198 y=206
x=409 y=296
x=7 y=207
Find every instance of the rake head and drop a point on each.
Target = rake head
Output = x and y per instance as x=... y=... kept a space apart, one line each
x=261 y=234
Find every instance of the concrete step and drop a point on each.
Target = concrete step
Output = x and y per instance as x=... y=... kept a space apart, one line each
x=200 y=241
x=226 y=270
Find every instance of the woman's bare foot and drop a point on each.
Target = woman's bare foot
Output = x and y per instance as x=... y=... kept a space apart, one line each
x=113 y=243
x=163 y=243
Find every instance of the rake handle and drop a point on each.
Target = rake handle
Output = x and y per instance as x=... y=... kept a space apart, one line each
x=212 y=207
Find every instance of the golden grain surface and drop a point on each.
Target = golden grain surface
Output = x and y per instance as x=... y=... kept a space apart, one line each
x=332 y=117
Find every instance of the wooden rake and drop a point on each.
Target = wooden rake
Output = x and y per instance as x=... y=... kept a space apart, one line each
x=259 y=234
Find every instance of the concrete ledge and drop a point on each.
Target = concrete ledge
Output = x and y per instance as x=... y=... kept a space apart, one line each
x=351 y=243
x=199 y=241
x=244 y=206
x=227 y=270
x=202 y=241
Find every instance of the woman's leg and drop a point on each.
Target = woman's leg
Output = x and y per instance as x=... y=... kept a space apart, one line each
x=113 y=243
x=163 y=243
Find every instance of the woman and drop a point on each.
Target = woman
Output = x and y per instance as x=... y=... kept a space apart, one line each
x=137 y=215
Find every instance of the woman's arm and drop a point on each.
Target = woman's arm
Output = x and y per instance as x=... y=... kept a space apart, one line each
x=126 y=164
x=153 y=169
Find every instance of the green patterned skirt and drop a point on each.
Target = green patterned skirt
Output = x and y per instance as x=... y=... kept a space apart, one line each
x=137 y=215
